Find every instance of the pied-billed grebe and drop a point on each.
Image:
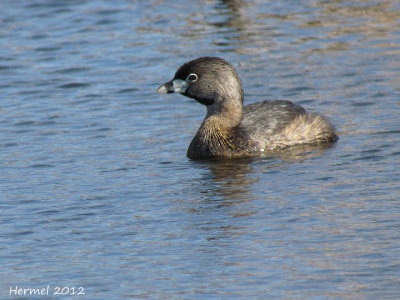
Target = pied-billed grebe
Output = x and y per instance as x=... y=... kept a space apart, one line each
x=231 y=130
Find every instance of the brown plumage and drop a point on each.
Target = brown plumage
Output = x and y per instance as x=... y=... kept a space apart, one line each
x=231 y=130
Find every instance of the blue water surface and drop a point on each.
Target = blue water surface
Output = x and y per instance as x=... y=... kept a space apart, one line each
x=96 y=191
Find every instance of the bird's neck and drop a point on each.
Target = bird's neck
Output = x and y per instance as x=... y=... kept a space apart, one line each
x=224 y=116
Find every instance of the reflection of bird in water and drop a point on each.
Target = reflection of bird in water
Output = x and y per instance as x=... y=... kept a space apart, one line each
x=231 y=130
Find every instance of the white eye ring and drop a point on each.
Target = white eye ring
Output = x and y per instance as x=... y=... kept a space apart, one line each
x=192 y=77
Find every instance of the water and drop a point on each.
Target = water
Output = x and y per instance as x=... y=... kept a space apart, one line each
x=97 y=192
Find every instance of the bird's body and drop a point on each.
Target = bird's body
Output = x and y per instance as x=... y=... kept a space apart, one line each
x=231 y=130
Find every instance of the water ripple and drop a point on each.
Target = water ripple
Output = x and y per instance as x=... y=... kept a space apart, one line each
x=74 y=85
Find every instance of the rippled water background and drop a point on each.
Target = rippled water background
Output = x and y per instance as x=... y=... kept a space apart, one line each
x=95 y=187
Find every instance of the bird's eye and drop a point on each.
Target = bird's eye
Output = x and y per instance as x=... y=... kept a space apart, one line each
x=192 y=77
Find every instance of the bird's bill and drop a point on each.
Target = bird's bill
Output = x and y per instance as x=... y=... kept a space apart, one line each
x=173 y=86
